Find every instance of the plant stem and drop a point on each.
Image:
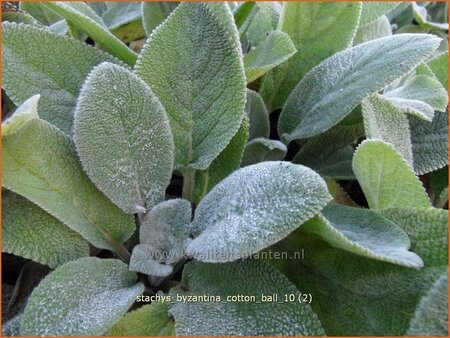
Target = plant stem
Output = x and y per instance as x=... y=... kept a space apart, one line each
x=188 y=184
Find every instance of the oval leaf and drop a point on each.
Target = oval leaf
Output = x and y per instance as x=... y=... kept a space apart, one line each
x=200 y=81
x=91 y=295
x=227 y=318
x=333 y=88
x=365 y=233
x=386 y=178
x=123 y=138
x=24 y=74
x=41 y=164
x=253 y=208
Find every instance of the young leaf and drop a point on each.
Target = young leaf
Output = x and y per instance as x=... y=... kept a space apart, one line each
x=332 y=89
x=41 y=164
x=148 y=260
x=153 y=13
x=274 y=50
x=250 y=278
x=200 y=82
x=376 y=29
x=373 y=10
x=420 y=16
x=429 y=143
x=419 y=95
x=365 y=233
x=24 y=73
x=318 y=30
x=385 y=121
x=386 y=178
x=258 y=116
x=253 y=208
x=30 y=232
x=166 y=227
x=263 y=22
x=261 y=149
x=431 y=316
x=223 y=165
x=123 y=138
x=149 y=320
x=82 y=17
x=92 y=294
x=330 y=153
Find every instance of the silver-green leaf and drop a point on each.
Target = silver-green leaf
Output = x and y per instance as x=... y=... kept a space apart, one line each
x=199 y=79
x=30 y=232
x=250 y=278
x=429 y=143
x=365 y=233
x=80 y=298
x=253 y=208
x=25 y=74
x=261 y=149
x=274 y=50
x=385 y=121
x=123 y=138
x=318 y=30
x=41 y=164
x=332 y=89
x=386 y=178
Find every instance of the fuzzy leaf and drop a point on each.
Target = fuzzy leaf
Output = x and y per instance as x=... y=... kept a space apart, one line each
x=223 y=165
x=40 y=163
x=123 y=138
x=258 y=116
x=166 y=227
x=429 y=143
x=153 y=13
x=261 y=149
x=25 y=75
x=253 y=208
x=82 y=17
x=386 y=178
x=365 y=233
x=431 y=316
x=318 y=30
x=149 y=320
x=373 y=10
x=419 y=95
x=332 y=89
x=200 y=82
x=11 y=328
x=263 y=22
x=225 y=318
x=274 y=50
x=376 y=29
x=385 y=121
x=439 y=66
x=330 y=153
x=147 y=259
x=439 y=187
x=30 y=232
x=92 y=294
x=357 y=296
